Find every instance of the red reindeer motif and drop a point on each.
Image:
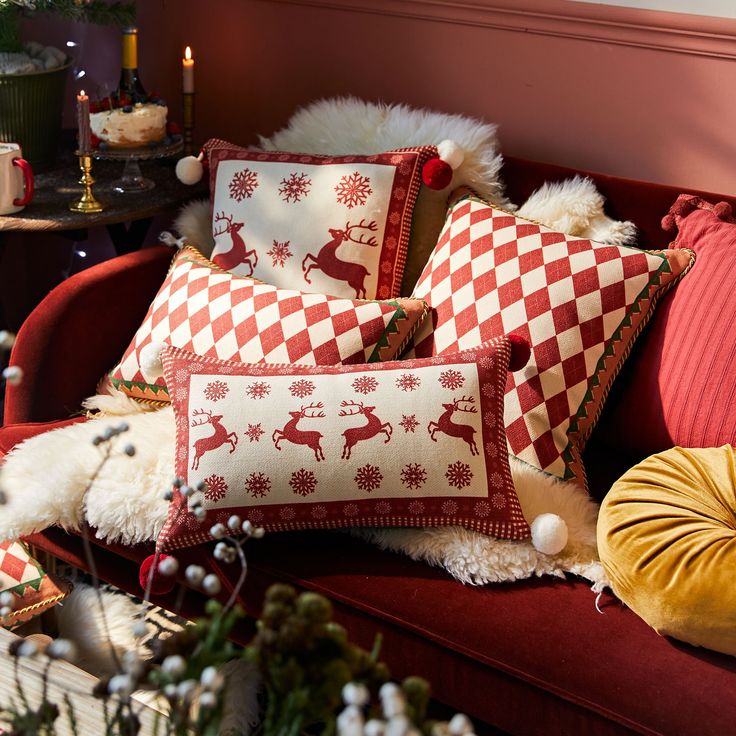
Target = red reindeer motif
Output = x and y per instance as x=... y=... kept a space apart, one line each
x=445 y=424
x=218 y=438
x=328 y=262
x=365 y=431
x=291 y=433
x=238 y=253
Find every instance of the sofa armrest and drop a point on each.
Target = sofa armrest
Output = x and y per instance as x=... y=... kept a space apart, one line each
x=78 y=333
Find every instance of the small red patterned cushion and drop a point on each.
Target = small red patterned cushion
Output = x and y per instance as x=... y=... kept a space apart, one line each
x=416 y=443
x=211 y=312
x=33 y=590
x=335 y=225
x=579 y=303
x=681 y=386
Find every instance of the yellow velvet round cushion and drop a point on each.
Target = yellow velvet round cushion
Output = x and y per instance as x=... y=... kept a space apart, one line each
x=667 y=539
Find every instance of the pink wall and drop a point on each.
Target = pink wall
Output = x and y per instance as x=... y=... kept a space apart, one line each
x=632 y=92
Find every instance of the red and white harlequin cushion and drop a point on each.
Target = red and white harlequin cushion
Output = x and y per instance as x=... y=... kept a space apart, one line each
x=580 y=304
x=211 y=312
x=415 y=443
x=335 y=225
x=33 y=590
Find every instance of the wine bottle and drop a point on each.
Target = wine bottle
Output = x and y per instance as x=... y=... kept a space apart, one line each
x=130 y=89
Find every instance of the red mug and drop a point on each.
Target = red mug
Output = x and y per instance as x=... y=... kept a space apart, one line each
x=16 y=179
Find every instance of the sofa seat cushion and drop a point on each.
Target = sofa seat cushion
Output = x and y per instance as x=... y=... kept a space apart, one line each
x=667 y=539
x=13 y=434
x=520 y=656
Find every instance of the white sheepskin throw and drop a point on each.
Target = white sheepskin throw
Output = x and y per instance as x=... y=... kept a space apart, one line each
x=575 y=207
x=125 y=503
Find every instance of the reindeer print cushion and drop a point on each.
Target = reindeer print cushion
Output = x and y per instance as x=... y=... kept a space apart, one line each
x=335 y=225
x=411 y=443
x=211 y=312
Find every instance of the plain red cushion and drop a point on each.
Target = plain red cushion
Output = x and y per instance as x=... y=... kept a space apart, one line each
x=680 y=386
x=13 y=434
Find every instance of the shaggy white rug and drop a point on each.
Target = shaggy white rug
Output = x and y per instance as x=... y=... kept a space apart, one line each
x=125 y=503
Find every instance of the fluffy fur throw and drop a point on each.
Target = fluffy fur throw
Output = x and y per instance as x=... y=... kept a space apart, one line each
x=125 y=504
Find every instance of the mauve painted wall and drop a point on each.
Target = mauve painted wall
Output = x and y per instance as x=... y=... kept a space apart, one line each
x=640 y=112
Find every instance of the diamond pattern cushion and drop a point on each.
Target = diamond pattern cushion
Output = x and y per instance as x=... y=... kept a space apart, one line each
x=211 y=312
x=410 y=443
x=33 y=590
x=580 y=304
x=335 y=225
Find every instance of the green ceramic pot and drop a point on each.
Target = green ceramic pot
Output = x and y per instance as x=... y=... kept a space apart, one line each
x=31 y=108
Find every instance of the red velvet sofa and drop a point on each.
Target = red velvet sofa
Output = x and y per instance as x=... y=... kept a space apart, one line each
x=532 y=657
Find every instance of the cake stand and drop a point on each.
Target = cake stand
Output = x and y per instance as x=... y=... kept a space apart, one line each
x=132 y=179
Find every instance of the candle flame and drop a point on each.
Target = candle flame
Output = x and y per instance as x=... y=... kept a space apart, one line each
x=188 y=53
x=81 y=93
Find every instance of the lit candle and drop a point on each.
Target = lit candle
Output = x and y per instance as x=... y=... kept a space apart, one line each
x=84 y=133
x=187 y=68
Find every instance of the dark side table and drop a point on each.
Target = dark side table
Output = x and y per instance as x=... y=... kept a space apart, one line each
x=36 y=243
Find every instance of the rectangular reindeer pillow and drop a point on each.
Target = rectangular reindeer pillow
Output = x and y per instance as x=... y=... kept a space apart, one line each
x=211 y=312
x=579 y=303
x=336 y=225
x=415 y=443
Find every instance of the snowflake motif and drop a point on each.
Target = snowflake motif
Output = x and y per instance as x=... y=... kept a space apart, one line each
x=279 y=253
x=301 y=388
x=413 y=476
x=449 y=508
x=486 y=361
x=287 y=513
x=182 y=375
x=243 y=184
x=182 y=453
x=490 y=418
x=482 y=509
x=409 y=422
x=368 y=478
x=216 y=390
x=498 y=500
x=258 y=390
x=469 y=355
x=190 y=522
x=458 y=474
x=255 y=516
x=496 y=480
x=181 y=393
x=353 y=190
x=451 y=379
x=350 y=509
x=216 y=488
x=303 y=482
x=437 y=360
x=416 y=507
x=404 y=168
x=254 y=432
x=390 y=243
x=257 y=485
x=364 y=385
x=399 y=193
x=408 y=382
x=387 y=267
x=319 y=512
x=383 y=508
x=489 y=390
x=491 y=449
x=395 y=218
x=295 y=187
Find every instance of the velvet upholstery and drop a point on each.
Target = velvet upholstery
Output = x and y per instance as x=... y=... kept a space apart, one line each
x=532 y=657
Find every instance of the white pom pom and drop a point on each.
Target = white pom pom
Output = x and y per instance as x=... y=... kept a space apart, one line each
x=549 y=534
x=150 y=360
x=451 y=153
x=189 y=169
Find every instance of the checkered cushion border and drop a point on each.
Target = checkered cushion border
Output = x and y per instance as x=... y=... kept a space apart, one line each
x=580 y=304
x=211 y=312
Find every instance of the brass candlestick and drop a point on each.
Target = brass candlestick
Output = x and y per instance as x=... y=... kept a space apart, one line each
x=87 y=203
x=188 y=123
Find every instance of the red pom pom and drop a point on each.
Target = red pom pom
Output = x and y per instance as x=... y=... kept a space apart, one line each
x=172 y=128
x=668 y=223
x=520 y=352
x=437 y=174
x=723 y=210
x=684 y=206
x=161 y=584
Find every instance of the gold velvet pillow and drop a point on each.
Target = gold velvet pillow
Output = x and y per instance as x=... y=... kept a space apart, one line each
x=667 y=539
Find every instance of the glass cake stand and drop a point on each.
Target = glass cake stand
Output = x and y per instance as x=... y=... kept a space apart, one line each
x=132 y=179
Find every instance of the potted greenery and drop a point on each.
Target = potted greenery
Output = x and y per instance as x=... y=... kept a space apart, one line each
x=33 y=78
